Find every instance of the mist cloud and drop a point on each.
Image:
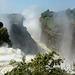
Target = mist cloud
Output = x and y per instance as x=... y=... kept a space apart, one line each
x=31 y=21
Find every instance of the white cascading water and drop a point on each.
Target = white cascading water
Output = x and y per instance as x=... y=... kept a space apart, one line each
x=7 y=54
x=32 y=22
x=33 y=26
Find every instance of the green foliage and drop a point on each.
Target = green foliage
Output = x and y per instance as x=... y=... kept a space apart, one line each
x=52 y=25
x=47 y=13
x=45 y=64
x=4 y=37
x=23 y=59
x=12 y=62
x=48 y=28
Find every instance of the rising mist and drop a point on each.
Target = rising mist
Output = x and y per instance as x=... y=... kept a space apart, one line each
x=66 y=42
x=32 y=21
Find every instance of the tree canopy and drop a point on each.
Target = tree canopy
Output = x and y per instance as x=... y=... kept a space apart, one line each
x=4 y=36
x=45 y=64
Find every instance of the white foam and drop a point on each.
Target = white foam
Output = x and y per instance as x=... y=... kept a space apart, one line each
x=7 y=54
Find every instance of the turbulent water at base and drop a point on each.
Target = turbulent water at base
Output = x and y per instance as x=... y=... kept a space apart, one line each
x=7 y=54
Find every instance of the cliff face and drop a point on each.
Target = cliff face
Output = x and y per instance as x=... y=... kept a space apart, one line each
x=22 y=39
x=50 y=33
x=19 y=35
x=53 y=25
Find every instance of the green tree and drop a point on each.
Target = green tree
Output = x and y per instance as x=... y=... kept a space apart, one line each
x=45 y=64
x=4 y=37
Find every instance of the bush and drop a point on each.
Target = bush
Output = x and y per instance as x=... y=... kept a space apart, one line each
x=4 y=37
x=46 y=64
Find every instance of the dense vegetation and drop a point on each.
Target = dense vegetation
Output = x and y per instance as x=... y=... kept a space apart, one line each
x=4 y=37
x=52 y=25
x=46 y=64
